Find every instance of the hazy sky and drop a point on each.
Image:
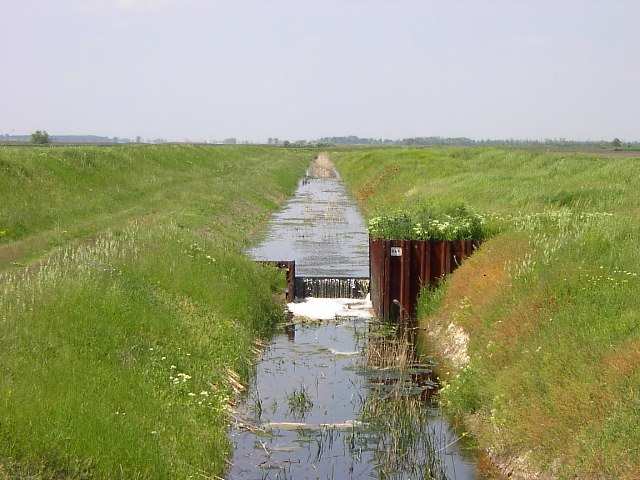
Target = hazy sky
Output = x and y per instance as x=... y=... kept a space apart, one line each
x=208 y=69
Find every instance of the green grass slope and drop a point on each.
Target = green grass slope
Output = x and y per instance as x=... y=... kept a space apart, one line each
x=121 y=340
x=540 y=330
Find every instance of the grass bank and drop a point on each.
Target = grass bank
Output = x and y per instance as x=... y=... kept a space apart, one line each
x=539 y=332
x=52 y=196
x=137 y=312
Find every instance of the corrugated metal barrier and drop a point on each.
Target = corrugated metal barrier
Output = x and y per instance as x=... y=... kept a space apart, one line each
x=401 y=268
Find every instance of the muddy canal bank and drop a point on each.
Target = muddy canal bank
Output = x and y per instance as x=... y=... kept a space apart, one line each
x=337 y=394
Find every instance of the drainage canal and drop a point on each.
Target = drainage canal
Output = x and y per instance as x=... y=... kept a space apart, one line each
x=337 y=394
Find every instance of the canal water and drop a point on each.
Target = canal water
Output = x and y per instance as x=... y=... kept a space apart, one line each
x=320 y=228
x=337 y=394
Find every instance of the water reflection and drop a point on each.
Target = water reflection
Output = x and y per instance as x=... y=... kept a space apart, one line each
x=320 y=228
x=365 y=415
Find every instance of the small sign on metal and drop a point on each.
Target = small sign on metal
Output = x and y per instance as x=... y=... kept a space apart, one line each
x=396 y=251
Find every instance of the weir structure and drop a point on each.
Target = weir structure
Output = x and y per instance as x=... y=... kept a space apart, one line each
x=317 y=286
x=400 y=269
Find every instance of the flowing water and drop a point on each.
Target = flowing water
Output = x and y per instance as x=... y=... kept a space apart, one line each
x=320 y=228
x=336 y=394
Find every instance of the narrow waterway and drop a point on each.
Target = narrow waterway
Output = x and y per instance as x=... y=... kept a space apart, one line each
x=320 y=228
x=336 y=394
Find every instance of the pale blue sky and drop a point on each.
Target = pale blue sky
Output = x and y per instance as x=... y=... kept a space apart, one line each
x=300 y=69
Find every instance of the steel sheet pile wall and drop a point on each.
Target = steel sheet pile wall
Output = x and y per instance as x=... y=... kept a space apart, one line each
x=401 y=268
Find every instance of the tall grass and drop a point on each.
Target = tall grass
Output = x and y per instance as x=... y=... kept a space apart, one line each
x=115 y=351
x=540 y=327
x=54 y=195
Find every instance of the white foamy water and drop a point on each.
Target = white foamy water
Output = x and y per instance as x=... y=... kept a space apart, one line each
x=329 y=308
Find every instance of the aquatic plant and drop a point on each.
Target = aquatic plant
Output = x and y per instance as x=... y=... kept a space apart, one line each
x=299 y=402
x=404 y=442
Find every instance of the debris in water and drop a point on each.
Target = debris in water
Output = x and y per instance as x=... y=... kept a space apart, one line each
x=348 y=425
x=344 y=354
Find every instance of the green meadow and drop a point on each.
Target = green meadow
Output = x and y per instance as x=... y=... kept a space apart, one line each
x=538 y=333
x=128 y=312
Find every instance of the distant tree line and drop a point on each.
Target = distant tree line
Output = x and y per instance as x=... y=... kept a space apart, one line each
x=42 y=137
x=469 y=142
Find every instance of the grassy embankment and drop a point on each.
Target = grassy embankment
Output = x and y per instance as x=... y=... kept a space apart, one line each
x=119 y=338
x=540 y=330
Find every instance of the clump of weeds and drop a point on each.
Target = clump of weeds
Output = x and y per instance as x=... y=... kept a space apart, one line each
x=300 y=402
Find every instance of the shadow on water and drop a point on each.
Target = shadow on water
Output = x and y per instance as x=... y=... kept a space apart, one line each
x=345 y=397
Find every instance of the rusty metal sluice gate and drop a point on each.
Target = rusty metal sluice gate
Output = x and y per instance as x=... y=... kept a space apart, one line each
x=399 y=269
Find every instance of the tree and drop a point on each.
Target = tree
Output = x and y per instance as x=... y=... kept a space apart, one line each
x=40 y=137
x=617 y=143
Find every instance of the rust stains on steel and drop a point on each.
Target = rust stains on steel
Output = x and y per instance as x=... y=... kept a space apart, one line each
x=440 y=259
x=290 y=268
x=401 y=268
x=379 y=253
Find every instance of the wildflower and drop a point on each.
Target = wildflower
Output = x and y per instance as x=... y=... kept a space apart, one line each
x=163 y=358
x=183 y=376
x=191 y=394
